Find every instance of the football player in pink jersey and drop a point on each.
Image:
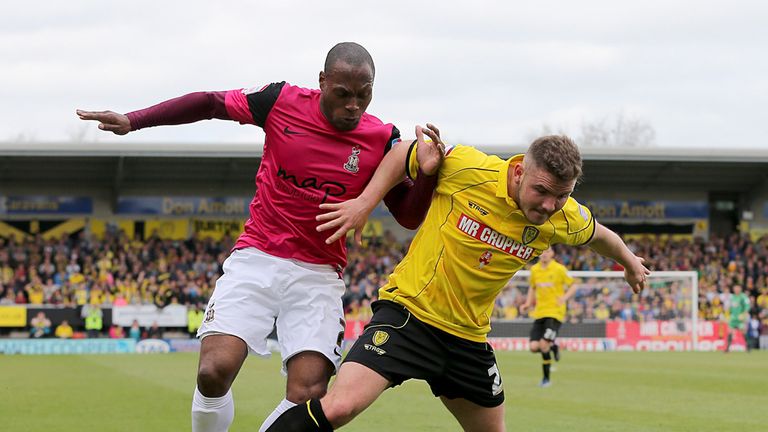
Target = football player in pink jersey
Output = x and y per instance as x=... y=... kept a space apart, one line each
x=321 y=147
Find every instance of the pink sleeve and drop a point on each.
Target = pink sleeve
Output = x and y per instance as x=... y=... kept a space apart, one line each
x=237 y=107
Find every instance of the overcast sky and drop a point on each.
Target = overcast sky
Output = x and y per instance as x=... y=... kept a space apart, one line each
x=486 y=72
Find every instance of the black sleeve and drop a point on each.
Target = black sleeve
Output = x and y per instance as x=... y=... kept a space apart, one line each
x=261 y=102
x=395 y=135
x=408 y=159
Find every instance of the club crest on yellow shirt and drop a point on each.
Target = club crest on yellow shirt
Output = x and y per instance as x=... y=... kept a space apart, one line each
x=529 y=234
x=380 y=337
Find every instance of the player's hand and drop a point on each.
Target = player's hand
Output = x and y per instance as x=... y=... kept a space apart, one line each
x=560 y=301
x=119 y=124
x=636 y=274
x=524 y=307
x=430 y=155
x=345 y=216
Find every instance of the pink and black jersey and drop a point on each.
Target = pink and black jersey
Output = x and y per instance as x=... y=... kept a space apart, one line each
x=306 y=162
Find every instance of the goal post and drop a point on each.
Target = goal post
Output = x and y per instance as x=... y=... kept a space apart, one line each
x=664 y=317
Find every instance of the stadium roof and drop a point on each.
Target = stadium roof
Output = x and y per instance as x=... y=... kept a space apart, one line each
x=250 y=150
x=143 y=165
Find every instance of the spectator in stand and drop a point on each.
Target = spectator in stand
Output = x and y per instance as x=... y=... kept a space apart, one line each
x=34 y=291
x=134 y=332
x=8 y=299
x=119 y=300
x=41 y=326
x=93 y=320
x=116 y=332
x=602 y=313
x=753 y=332
x=154 y=332
x=64 y=330
x=135 y=268
x=21 y=297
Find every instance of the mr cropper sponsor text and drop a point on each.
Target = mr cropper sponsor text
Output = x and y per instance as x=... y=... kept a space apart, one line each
x=492 y=237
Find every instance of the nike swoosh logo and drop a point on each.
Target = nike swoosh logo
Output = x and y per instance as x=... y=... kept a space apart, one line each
x=290 y=132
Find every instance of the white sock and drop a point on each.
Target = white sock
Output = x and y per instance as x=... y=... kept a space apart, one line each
x=282 y=407
x=212 y=414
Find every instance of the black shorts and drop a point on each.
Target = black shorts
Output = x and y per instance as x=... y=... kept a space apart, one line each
x=399 y=347
x=545 y=328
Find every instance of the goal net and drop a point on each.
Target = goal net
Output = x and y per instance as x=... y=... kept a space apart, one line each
x=604 y=314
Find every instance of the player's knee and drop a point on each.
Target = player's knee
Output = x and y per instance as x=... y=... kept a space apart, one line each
x=213 y=380
x=299 y=394
x=534 y=347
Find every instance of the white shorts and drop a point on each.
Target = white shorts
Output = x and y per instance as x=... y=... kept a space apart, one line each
x=258 y=291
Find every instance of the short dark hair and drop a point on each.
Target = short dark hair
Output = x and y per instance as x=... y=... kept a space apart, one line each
x=351 y=53
x=558 y=155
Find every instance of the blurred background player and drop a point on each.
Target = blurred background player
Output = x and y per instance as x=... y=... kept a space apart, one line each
x=320 y=146
x=738 y=314
x=548 y=283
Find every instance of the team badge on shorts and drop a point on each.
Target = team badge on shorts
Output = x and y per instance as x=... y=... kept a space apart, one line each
x=354 y=159
x=379 y=338
x=529 y=234
x=485 y=259
x=209 y=313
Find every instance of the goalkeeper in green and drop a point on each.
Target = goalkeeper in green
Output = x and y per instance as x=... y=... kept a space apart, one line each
x=738 y=315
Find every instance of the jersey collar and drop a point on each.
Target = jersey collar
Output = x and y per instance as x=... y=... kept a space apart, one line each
x=502 y=191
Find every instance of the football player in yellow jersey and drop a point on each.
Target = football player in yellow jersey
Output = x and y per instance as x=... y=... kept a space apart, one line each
x=488 y=218
x=547 y=291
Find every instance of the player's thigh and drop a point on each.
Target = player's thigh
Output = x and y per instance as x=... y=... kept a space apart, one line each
x=311 y=314
x=397 y=346
x=244 y=303
x=551 y=329
x=471 y=373
x=537 y=330
x=476 y=418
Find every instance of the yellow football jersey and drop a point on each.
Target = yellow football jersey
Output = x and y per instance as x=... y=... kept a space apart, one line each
x=550 y=283
x=473 y=240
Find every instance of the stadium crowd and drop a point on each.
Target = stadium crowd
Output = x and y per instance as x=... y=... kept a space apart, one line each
x=87 y=271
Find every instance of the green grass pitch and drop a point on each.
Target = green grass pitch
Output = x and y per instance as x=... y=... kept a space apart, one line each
x=591 y=392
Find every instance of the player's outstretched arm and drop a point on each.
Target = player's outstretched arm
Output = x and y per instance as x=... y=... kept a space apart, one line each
x=181 y=110
x=353 y=214
x=609 y=244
